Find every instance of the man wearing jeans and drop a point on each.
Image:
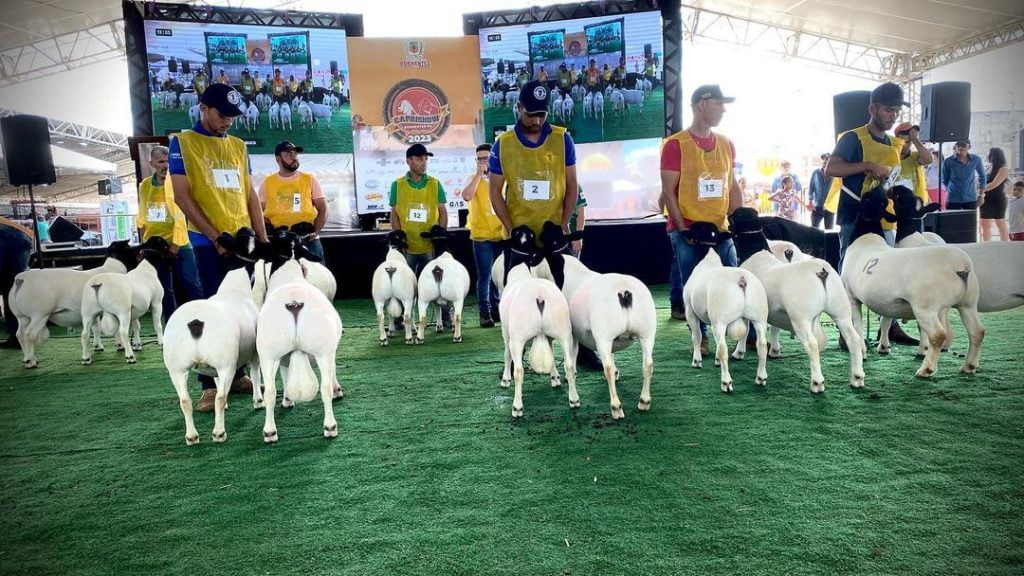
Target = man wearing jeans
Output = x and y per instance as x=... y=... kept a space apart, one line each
x=963 y=175
x=697 y=181
x=486 y=232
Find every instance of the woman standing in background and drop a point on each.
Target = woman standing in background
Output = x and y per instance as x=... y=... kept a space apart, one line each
x=992 y=199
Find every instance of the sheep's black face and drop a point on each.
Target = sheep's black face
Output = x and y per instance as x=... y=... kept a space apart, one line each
x=303 y=228
x=745 y=220
x=522 y=238
x=704 y=233
x=553 y=239
x=438 y=238
x=398 y=240
x=873 y=206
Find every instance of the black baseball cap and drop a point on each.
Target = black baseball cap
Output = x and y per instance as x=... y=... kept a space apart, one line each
x=710 y=92
x=417 y=150
x=285 y=145
x=888 y=94
x=224 y=98
x=534 y=97
x=964 y=142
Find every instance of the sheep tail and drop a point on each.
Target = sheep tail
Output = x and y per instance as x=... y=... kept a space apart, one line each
x=626 y=299
x=195 y=328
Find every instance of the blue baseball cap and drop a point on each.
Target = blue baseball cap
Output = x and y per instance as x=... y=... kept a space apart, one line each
x=224 y=98
x=534 y=97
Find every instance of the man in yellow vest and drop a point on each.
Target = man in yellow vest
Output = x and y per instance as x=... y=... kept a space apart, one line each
x=698 y=183
x=200 y=82
x=223 y=78
x=417 y=204
x=290 y=197
x=212 y=182
x=486 y=232
x=247 y=86
x=257 y=81
x=913 y=161
x=160 y=216
x=863 y=158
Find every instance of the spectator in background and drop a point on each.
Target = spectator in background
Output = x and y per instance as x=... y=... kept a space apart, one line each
x=293 y=199
x=992 y=200
x=786 y=199
x=619 y=74
x=1015 y=213
x=200 y=82
x=913 y=161
x=542 y=76
x=293 y=86
x=963 y=175
x=307 y=87
x=784 y=171
x=816 y=195
x=564 y=79
x=247 y=86
x=15 y=249
x=606 y=74
x=524 y=77
x=485 y=231
x=160 y=216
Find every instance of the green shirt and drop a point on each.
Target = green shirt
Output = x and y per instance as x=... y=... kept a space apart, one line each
x=393 y=196
x=581 y=200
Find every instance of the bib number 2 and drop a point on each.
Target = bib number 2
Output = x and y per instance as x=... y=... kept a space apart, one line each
x=536 y=190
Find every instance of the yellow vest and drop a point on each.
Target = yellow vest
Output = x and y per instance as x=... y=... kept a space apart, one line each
x=696 y=164
x=199 y=84
x=224 y=201
x=483 y=225
x=159 y=215
x=424 y=202
x=832 y=199
x=278 y=86
x=878 y=153
x=528 y=171
x=289 y=201
x=911 y=169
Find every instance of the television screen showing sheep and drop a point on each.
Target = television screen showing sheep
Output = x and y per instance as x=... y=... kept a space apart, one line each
x=604 y=74
x=308 y=102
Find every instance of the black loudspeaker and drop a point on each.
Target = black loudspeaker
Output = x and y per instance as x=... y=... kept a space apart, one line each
x=62 y=230
x=172 y=66
x=946 y=112
x=648 y=51
x=27 y=149
x=850 y=110
x=334 y=67
x=955 y=226
x=501 y=66
x=185 y=67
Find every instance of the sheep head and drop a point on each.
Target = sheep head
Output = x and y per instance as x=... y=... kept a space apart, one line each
x=438 y=236
x=398 y=240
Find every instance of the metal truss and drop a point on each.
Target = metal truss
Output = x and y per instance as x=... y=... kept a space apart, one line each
x=88 y=46
x=986 y=42
x=473 y=22
x=208 y=14
x=829 y=53
x=106 y=145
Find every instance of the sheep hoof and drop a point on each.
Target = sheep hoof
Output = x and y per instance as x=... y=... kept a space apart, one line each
x=419 y=340
x=330 y=431
x=617 y=413
x=97 y=348
x=517 y=412
x=727 y=387
x=817 y=387
x=31 y=365
x=269 y=436
x=85 y=362
x=137 y=346
x=718 y=363
x=695 y=364
x=439 y=329
x=457 y=340
x=643 y=405
x=555 y=382
x=505 y=383
x=574 y=403
x=968 y=369
x=191 y=440
x=924 y=372
x=257 y=403
x=220 y=437
x=383 y=341
x=130 y=360
x=738 y=355
x=761 y=380
x=286 y=403
x=119 y=347
x=857 y=382
x=775 y=354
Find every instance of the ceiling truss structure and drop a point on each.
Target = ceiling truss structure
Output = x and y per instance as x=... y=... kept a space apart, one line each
x=105 y=145
x=87 y=46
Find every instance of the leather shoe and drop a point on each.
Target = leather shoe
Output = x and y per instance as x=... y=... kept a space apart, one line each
x=486 y=322
x=678 y=311
x=207 y=400
x=588 y=359
x=897 y=335
x=241 y=385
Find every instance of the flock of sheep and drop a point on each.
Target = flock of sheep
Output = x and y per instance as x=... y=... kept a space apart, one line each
x=279 y=116
x=283 y=319
x=562 y=104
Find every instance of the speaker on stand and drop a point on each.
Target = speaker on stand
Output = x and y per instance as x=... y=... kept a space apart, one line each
x=29 y=161
x=850 y=110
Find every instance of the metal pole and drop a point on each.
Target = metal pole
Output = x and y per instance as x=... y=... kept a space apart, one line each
x=35 y=226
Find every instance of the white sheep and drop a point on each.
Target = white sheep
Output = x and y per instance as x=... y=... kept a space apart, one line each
x=297 y=320
x=534 y=309
x=443 y=281
x=214 y=337
x=55 y=295
x=608 y=313
x=726 y=299
x=798 y=293
x=285 y=116
x=921 y=283
x=633 y=98
x=394 y=288
x=568 y=107
x=126 y=297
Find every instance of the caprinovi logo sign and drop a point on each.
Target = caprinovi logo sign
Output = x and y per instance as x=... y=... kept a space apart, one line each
x=416 y=111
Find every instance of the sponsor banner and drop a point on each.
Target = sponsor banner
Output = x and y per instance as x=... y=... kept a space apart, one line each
x=414 y=91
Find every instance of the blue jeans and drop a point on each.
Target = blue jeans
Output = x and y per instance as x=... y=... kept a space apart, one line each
x=686 y=259
x=212 y=267
x=185 y=272
x=15 y=249
x=418 y=261
x=316 y=248
x=675 y=282
x=484 y=255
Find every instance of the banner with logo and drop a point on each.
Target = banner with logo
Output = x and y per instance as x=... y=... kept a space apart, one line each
x=414 y=91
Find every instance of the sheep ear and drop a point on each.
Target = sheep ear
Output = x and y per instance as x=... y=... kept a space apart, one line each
x=929 y=208
x=425 y=235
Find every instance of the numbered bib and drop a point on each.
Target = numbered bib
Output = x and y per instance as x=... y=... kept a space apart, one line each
x=226 y=178
x=296 y=202
x=157 y=213
x=417 y=214
x=708 y=188
x=536 y=190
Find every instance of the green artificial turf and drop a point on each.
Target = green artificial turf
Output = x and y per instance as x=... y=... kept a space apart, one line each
x=429 y=474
